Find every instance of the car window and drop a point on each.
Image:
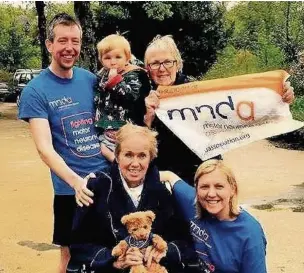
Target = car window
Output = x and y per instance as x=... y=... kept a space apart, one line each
x=22 y=79
x=25 y=78
x=17 y=77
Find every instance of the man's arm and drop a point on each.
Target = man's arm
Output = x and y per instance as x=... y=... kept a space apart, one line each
x=41 y=133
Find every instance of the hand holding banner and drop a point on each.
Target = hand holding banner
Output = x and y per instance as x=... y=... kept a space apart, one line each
x=215 y=116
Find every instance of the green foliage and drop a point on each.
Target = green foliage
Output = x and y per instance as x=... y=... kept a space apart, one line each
x=197 y=27
x=233 y=62
x=5 y=76
x=297 y=108
x=53 y=8
x=297 y=78
x=17 y=30
x=276 y=23
x=158 y=10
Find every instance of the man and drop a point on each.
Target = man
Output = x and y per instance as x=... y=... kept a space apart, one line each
x=58 y=104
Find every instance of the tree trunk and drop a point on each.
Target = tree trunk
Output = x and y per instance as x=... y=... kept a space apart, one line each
x=290 y=48
x=42 y=33
x=89 y=53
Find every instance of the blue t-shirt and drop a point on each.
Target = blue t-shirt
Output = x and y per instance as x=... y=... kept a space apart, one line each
x=69 y=107
x=237 y=246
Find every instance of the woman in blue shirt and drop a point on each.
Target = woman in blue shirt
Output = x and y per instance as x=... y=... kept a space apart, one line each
x=226 y=237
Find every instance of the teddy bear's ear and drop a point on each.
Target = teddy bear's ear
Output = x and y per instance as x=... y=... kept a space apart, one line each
x=125 y=219
x=150 y=214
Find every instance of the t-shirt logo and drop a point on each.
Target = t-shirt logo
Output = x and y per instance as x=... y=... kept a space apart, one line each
x=80 y=135
x=61 y=103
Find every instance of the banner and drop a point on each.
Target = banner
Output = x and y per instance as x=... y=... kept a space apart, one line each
x=212 y=117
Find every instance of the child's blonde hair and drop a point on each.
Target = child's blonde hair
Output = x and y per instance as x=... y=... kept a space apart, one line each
x=111 y=42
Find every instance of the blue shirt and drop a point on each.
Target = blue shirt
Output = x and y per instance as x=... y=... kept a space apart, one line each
x=69 y=107
x=237 y=246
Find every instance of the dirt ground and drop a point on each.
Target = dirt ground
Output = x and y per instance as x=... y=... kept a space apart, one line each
x=265 y=173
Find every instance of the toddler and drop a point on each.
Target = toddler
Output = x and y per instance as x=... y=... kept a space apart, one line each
x=120 y=95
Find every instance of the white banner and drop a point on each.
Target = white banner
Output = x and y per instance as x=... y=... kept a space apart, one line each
x=215 y=116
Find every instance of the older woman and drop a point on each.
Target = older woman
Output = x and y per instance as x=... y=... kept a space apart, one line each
x=226 y=237
x=164 y=64
x=133 y=185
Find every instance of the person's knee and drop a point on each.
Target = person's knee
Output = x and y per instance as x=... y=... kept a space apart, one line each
x=65 y=253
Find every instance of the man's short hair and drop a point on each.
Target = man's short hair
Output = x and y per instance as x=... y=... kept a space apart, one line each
x=61 y=19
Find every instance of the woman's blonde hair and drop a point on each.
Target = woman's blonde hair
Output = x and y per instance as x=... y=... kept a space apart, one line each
x=130 y=130
x=165 y=43
x=208 y=167
x=111 y=42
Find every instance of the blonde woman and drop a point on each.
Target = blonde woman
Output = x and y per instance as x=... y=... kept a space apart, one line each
x=227 y=238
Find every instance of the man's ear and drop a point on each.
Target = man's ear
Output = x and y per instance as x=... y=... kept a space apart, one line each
x=49 y=45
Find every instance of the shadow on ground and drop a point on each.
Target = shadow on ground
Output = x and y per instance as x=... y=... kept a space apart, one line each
x=37 y=246
x=296 y=204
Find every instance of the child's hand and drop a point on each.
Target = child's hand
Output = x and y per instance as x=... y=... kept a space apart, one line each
x=112 y=73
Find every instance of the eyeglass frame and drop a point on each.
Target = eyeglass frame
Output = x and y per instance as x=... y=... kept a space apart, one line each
x=162 y=64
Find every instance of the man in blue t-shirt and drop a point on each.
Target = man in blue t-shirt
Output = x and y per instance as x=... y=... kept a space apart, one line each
x=58 y=104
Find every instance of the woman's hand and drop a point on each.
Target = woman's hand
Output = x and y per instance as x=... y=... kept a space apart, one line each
x=288 y=95
x=168 y=176
x=153 y=254
x=152 y=103
x=132 y=257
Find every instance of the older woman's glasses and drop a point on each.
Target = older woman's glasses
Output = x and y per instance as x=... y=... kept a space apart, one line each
x=166 y=64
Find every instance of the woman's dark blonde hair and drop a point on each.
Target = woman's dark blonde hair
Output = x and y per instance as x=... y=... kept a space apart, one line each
x=130 y=130
x=208 y=167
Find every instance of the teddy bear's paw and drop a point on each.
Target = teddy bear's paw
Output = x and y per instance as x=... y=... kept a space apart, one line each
x=157 y=268
x=159 y=243
x=138 y=269
x=117 y=251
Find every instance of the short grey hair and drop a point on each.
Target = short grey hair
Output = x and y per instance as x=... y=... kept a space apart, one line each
x=165 y=43
x=61 y=19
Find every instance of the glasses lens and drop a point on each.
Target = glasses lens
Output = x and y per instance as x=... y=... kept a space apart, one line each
x=168 y=64
x=154 y=66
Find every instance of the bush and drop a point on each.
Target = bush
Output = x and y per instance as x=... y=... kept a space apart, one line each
x=297 y=79
x=295 y=139
x=297 y=109
x=234 y=62
x=5 y=76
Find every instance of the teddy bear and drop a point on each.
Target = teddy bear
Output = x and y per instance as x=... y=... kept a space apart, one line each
x=139 y=225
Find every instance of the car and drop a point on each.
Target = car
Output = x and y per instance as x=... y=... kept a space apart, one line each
x=4 y=92
x=20 y=80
